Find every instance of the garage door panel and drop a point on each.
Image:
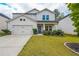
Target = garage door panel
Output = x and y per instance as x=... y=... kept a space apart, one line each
x=22 y=29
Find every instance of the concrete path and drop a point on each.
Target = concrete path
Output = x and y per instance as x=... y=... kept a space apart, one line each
x=11 y=45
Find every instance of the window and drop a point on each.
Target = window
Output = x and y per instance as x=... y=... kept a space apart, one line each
x=20 y=19
x=23 y=19
x=50 y=28
x=46 y=28
x=47 y=17
x=43 y=17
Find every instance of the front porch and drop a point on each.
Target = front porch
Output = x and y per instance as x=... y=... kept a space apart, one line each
x=45 y=27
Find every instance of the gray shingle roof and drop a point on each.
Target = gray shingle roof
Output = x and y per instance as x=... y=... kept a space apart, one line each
x=4 y=16
x=22 y=14
x=63 y=17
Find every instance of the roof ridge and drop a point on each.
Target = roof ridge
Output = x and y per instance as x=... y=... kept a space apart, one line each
x=45 y=9
x=31 y=10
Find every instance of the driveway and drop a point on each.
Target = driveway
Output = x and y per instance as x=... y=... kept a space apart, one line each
x=11 y=45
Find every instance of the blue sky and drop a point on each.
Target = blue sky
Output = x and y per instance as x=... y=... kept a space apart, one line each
x=9 y=8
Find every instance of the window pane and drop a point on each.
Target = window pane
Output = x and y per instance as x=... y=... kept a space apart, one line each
x=20 y=19
x=24 y=20
x=50 y=28
x=47 y=17
x=43 y=17
x=46 y=28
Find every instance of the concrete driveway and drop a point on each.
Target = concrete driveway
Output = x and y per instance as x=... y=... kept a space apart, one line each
x=11 y=45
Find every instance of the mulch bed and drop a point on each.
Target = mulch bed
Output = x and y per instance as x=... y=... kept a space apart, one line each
x=73 y=46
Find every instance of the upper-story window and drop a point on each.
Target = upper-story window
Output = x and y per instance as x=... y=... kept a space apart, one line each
x=45 y=17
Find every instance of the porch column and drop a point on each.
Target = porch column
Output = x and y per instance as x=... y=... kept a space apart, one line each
x=43 y=26
x=56 y=27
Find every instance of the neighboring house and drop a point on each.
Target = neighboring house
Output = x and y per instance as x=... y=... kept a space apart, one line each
x=23 y=23
x=66 y=25
x=3 y=21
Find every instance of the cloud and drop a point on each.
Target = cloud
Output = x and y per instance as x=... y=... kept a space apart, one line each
x=24 y=7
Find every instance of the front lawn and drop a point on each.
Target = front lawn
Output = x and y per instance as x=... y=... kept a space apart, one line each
x=48 y=46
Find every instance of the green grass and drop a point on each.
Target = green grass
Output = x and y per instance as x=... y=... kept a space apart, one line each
x=2 y=34
x=48 y=46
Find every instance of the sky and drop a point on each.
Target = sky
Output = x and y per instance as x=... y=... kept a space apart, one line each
x=9 y=8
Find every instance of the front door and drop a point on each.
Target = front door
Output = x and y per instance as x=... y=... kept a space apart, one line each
x=39 y=29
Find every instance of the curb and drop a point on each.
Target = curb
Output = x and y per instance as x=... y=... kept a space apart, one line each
x=70 y=48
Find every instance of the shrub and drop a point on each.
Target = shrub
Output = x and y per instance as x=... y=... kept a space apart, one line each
x=34 y=31
x=54 y=32
x=58 y=32
x=6 y=31
x=47 y=32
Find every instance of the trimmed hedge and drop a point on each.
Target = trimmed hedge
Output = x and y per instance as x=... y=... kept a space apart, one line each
x=54 y=32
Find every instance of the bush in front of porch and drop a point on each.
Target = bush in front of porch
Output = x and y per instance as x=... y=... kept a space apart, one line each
x=47 y=32
x=54 y=32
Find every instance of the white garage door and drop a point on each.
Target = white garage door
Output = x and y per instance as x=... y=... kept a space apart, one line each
x=22 y=29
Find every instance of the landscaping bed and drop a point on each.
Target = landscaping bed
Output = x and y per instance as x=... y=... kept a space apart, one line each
x=74 y=47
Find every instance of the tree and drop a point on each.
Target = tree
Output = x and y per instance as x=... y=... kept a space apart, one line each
x=57 y=13
x=74 y=8
x=60 y=16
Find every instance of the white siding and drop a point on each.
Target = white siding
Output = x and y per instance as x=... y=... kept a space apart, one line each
x=17 y=14
x=45 y=12
x=32 y=16
x=18 y=22
x=3 y=23
x=66 y=25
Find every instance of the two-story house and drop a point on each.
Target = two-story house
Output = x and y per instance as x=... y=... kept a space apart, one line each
x=23 y=23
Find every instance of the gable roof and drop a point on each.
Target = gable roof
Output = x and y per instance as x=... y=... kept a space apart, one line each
x=28 y=12
x=31 y=13
x=32 y=10
x=17 y=14
x=21 y=16
x=46 y=10
x=4 y=16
